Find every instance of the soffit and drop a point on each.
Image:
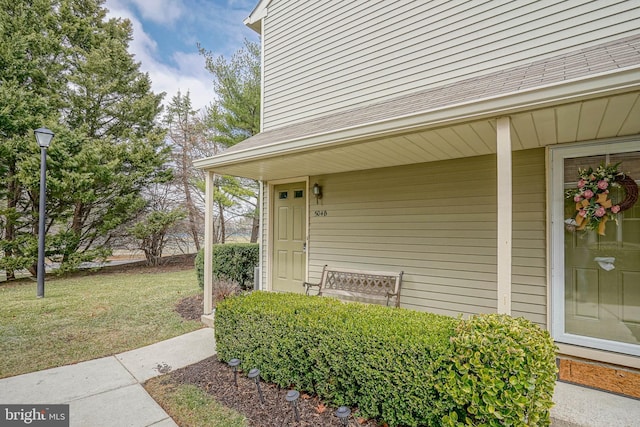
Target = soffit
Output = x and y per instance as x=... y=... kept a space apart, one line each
x=600 y=118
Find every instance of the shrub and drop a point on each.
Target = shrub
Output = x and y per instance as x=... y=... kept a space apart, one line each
x=502 y=372
x=231 y=262
x=224 y=289
x=199 y=264
x=400 y=366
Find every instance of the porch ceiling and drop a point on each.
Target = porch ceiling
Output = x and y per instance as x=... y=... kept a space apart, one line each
x=610 y=116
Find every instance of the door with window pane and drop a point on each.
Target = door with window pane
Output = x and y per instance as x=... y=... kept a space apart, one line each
x=289 y=237
x=602 y=273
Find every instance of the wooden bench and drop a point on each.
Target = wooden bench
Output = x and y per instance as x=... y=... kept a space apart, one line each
x=379 y=287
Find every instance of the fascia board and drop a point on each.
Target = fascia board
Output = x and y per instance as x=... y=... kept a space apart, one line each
x=254 y=20
x=604 y=84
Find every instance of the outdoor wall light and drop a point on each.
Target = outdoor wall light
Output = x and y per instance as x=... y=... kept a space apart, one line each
x=317 y=191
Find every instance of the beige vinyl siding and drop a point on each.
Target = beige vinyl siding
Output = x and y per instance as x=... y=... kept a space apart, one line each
x=529 y=264
x=322 y=57
x=436 y=222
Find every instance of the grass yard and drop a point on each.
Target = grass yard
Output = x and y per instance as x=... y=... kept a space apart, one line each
x=189 y=406
x=87 y=316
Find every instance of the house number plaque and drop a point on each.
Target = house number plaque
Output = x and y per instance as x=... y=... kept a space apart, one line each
x=320 y=213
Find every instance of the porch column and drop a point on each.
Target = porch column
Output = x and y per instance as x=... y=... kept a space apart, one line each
x=505 y=219
x=208 y=243
x=259 y=281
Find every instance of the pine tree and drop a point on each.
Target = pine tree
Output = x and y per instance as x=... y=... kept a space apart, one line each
x=235 y=116
x=31 y=81
x=81 y=82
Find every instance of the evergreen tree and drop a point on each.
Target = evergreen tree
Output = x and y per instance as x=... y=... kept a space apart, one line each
x=235 y=116
x=84 y=85
x=113 y=148
x=31 y=81
x=237 y=85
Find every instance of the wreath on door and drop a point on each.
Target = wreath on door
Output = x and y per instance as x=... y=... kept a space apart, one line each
x=592 y=196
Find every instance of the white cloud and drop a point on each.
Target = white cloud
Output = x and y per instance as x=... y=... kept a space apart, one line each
x=190 y=63
x=188 y=74
x=160 y=11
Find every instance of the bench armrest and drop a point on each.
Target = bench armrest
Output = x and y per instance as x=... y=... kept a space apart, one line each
x=308 y=286
x=391 y=295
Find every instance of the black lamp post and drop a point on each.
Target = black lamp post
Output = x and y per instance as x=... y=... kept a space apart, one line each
x=44 y=137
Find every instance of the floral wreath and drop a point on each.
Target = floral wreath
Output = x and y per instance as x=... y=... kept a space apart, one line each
x=592 y=200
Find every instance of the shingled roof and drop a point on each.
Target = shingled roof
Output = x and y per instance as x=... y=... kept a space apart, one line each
x=606 y=57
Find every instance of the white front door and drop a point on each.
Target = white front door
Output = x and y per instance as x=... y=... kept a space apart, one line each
x=596 y=278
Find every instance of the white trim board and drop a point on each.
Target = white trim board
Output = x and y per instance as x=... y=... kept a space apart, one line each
x=556 y=242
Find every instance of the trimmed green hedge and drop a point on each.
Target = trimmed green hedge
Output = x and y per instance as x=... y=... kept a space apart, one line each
x=399 y=366
x=502 y=372
x=231 y=261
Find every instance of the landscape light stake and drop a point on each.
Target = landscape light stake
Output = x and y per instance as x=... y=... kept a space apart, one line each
x=234 y=364
x=255 y=375
x=343 y=413
x=292 y=397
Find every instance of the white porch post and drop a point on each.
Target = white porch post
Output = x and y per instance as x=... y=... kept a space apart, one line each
x=261 y=186
x=505 y=218
x=208 y=243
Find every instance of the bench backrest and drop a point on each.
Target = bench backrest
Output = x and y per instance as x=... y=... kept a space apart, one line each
x=362 y=285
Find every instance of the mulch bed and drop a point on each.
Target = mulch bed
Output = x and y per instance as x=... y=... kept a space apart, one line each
x=216 y=378
x=190 y=308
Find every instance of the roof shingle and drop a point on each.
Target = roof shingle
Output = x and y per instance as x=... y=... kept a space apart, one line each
x=606 y=57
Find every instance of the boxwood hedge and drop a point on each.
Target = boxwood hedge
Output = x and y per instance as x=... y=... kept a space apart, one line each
x=231 y=261
x=403 y=367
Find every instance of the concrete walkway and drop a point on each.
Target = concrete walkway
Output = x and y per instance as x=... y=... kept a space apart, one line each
x=108 y=392
x=577 y=406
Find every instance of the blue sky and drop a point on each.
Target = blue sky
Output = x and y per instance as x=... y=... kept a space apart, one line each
x=166 y=34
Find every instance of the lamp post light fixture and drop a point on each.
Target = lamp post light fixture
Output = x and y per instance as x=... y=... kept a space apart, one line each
x=44 y=137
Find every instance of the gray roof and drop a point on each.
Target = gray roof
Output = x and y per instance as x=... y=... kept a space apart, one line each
x=606 y=57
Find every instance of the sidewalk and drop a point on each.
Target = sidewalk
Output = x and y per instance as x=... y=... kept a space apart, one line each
x=108 y=392
x=577 y=406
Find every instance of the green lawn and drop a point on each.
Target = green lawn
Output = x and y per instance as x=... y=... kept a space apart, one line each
x=89 y=316
x=190 y=406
